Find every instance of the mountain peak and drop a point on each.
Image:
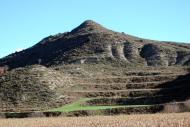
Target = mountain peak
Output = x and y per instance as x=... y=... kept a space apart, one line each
x=88 y=26
x=90 y=23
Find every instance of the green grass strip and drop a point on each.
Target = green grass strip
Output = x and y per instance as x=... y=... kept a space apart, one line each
x=76 y=106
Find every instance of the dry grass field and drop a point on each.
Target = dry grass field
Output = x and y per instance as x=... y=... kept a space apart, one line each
x=149 y=120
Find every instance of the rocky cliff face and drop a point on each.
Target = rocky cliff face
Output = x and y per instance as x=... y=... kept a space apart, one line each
x=92 y=43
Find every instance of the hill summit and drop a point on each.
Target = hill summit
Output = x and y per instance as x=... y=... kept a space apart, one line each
x=88 y=26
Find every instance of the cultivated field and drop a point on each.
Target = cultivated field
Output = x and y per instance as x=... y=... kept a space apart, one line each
x=149 y=120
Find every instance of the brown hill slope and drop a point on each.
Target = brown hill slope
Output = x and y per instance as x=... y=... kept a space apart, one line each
x=31 y=88
x=90 y=42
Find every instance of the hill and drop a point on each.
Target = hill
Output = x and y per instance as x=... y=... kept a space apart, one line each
x=90 y=42
x=93 y=70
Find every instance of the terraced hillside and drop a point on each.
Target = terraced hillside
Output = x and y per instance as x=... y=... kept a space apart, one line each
x=80 y=90
x=137 y=92
x=93 y=70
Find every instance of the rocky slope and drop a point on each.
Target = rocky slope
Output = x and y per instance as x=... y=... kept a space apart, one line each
x=31 y=88
x=91 y=42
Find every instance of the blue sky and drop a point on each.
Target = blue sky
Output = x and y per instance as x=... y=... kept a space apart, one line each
x=23 y=23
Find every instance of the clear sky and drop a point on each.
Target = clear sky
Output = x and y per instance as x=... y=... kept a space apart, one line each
x=23 y=23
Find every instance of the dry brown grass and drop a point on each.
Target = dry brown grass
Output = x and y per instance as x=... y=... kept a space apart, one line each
x=153 y=120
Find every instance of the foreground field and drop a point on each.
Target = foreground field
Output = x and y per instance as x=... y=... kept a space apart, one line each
x=153 y=120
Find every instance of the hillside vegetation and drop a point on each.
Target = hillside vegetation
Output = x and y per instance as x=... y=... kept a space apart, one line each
x=31 y=88
x=92 y=70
